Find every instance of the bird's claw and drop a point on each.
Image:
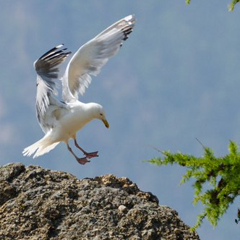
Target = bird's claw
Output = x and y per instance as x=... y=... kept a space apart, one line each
x=91 y=155
x=85 y=160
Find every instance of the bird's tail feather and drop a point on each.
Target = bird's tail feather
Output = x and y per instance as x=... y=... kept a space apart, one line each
x=40 y=147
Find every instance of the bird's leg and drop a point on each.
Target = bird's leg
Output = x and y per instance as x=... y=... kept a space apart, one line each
x=80 y=160
x=88 y=155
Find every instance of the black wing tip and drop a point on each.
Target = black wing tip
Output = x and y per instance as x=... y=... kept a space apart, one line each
x=48 y=63
x=131 y=20
x=55 y=51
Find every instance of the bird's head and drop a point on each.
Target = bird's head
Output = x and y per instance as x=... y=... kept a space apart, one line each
x=100 y=114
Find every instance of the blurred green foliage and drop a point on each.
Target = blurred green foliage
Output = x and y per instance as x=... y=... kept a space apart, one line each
x=231 y=7
x=216 y=180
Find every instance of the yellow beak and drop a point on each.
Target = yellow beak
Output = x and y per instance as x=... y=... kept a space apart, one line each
x=106 y=123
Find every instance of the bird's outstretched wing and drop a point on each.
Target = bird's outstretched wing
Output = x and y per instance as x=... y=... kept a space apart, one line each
x=92 y=56
x=47 y=74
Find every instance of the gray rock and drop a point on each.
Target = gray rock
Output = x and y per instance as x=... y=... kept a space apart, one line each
x=36 y=203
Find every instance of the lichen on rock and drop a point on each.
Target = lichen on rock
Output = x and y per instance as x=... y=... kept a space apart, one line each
x=36 y=203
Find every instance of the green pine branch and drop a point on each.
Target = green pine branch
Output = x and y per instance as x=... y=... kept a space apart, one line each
x=231 y=7
x=217 y=180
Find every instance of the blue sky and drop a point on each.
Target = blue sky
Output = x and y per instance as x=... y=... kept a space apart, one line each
x=176 y=79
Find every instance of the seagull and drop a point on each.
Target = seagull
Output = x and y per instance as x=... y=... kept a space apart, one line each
x=61 y=120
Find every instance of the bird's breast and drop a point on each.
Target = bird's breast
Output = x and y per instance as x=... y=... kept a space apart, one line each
x=74 y=121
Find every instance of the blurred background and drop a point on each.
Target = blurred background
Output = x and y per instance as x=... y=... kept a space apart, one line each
x=177 y=78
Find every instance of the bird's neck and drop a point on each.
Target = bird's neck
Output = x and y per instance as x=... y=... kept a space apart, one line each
x=91 y=109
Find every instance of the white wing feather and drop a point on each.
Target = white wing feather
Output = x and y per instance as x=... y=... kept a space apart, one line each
x=47 y=74
x=92 y=56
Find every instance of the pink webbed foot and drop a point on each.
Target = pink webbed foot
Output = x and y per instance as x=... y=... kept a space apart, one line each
x=85 y=160
x=82 y=161
x=91 y=154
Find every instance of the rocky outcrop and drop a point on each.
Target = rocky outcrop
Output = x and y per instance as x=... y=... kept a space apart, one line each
x=36 y=203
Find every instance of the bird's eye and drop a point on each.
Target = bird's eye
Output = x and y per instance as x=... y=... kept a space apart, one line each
x=101 y=114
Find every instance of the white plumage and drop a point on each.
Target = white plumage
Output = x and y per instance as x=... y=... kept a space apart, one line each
x=61 y=120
